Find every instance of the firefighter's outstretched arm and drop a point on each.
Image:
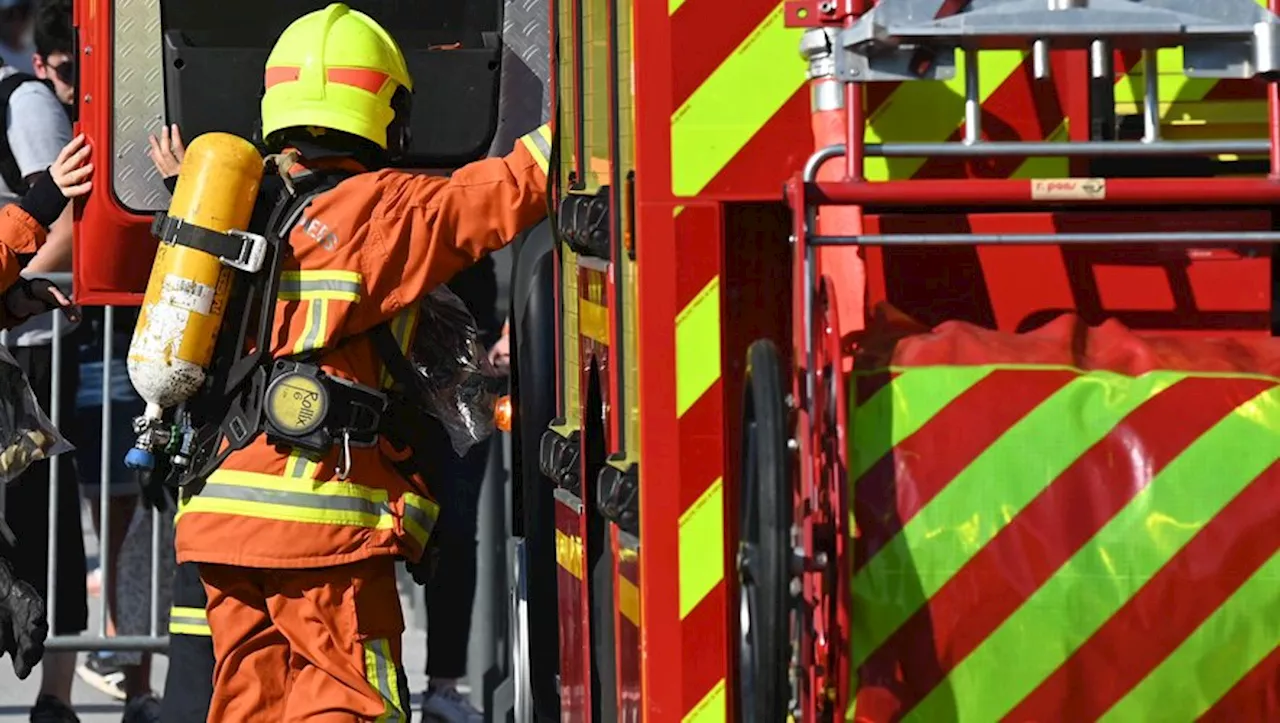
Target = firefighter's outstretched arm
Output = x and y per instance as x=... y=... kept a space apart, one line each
x=430 y=228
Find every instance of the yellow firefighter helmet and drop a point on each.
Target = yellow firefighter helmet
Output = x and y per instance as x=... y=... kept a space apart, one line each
x=334 y=68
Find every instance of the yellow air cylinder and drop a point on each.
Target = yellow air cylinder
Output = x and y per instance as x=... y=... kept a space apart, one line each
x=186 y=296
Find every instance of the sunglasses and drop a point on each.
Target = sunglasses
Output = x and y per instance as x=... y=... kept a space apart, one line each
x=66 y=71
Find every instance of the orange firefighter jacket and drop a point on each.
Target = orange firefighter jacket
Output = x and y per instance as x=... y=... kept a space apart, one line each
x=364 y=253
x=20 y=233
x=23 y=226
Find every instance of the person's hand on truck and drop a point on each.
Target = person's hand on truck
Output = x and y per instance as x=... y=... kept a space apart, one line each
x=167 y=151
x=500 y=353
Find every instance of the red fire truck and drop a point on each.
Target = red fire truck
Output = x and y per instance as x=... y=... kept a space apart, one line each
x=898 y=442
x=897 y=360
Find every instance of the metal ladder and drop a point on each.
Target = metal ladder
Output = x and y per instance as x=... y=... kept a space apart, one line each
x=854 y=43
x=909 y=40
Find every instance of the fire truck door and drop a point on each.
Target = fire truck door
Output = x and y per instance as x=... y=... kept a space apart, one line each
x=145 y=63
x=591 y=450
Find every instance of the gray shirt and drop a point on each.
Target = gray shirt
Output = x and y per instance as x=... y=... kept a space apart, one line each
x=38 y=128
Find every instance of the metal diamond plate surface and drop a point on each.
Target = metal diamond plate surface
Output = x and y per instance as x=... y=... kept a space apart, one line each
x=525 y=100
x=138 y=103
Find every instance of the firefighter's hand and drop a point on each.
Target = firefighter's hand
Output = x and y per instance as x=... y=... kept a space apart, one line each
x=422 y=570
x=168 y=151
x=72 y=170
x=32 y=297
x=23 y=627
x=500 y=354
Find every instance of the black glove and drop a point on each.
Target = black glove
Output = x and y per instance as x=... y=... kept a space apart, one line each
x=425 y=567
x=23 y=628
x=32 y=297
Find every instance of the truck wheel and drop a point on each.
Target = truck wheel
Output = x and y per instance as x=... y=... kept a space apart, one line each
x=764 y=639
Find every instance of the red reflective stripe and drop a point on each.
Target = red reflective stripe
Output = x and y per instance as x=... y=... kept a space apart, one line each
x=281 y=74
x=996 y=581
x=703 y=646
x=702 y=455
x=1256 y=697
x=363 y=78
x=941 y=449
x=1186 y=591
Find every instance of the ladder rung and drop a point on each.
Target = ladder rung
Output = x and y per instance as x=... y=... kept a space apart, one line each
x=1220 y=38
x=1074 y=149
x=1180 y=238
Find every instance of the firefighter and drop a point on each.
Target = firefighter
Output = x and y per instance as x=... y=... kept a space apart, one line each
x=296 y=531
x=22 y=232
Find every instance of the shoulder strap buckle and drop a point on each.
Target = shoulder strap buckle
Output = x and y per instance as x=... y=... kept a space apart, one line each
x=238 y=249
x=253 y=252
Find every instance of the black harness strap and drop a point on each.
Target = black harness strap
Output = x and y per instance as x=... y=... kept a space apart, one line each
x=222 y=245
x=246 y=379
x=403 y=424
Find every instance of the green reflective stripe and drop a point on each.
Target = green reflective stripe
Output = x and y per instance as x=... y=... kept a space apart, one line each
x=368 y=508
x=383 y=674
x=192 y=630
x=291 y=499
x=983 y=498
x=904 y=405
x=1229 y=644
x=420 y=514
x=698 y=346
x=542 y=141
x=189 y=626
x=1103 y=575
x=538 y=148
x=1172 y=82
x=296 y=289
x=756 y=80
x=196 y=614
x=314 y=326
x=188 y=621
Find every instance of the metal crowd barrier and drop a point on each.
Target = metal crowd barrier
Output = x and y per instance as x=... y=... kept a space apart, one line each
x=488 y=658
x=155 y=640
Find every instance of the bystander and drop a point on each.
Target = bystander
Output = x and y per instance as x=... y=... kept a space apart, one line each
x=36 y=129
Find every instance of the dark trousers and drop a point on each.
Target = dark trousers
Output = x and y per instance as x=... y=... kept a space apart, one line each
x=188 y=686
x=452 y=590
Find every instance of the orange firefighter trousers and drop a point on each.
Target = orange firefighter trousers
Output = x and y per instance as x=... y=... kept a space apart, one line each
x=318 y=645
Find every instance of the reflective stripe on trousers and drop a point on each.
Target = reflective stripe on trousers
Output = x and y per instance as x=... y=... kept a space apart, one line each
x=188 y=621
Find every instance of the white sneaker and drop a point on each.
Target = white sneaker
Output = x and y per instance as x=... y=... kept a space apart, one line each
x=447 y=705
x=101 y=671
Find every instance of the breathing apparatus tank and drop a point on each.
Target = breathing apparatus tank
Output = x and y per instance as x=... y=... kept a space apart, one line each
x=203 y=243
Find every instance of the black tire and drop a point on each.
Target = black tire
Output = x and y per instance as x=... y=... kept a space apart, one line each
x=764 y=639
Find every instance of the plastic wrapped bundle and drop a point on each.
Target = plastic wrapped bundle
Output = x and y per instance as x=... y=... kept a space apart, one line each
x=460 y=386
x=26 y=434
